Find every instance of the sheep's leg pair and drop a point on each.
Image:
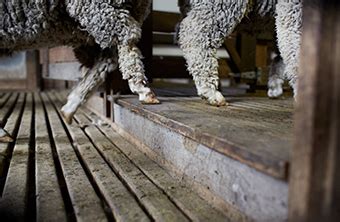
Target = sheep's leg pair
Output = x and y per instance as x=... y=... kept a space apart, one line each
x=117 y=26
x=288 y=26
x=202 y=32
x=4 y=136
x=276 y=78
x=92 y=79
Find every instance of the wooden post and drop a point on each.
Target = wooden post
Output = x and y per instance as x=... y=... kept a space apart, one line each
x=315 y=176
x=33 y=70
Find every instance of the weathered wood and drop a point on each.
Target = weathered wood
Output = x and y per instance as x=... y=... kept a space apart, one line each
x=10 y=84
x=4 y=99
x=154 y=200
x=49 y=198
x=87 y=205
x=11 y=126
x=193 y=205
x=64 y=71
x=122 y=203
x=33 y=71
x=314 y=181
x=61 y=54
x=44 y=60
x=6 y=109
x=259 y=137
x=14 y=196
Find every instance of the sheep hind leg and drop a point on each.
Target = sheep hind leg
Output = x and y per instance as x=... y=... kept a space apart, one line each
x=276 y=76
x=92 y=79
x=132 y=68
x=288 y=26
x=205 y=76
x=5 y=137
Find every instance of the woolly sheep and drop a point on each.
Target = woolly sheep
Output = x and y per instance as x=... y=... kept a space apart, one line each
x=208 y=22
x=99 y=31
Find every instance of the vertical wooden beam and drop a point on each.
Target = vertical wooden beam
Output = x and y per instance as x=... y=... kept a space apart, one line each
x=33 y=70
x=314 y=177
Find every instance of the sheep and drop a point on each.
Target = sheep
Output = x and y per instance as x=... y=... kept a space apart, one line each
x=207 y=22
x=103 y=34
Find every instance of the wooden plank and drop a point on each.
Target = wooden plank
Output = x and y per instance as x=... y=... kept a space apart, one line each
x=61 y=55
x=14 y=196
x=10 y=84
x=33 y=70
x=6 y=109
x=259 y=138
x=11 y=126
x=193 y=205
x=154 y=199
x=87 y=205
x=315 y=180
x=48 y=194
x=123 y=204
x=4 y=99
x=65 y=71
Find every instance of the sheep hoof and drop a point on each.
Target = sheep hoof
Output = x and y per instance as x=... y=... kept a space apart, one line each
x=275 y=89
x=150 y=99
x=68 y=117
x=217 y=100
x=5 y=137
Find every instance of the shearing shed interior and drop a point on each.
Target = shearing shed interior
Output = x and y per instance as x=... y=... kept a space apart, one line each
x=170 y=110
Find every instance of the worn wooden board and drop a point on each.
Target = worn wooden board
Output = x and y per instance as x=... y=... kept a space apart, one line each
x=192 y=204
x=86 y=204
x=5 y=110
x=122 y=202
x=49 y=197
x=14 y=197
x=12 y=125
x=150 y=195
x=255 y=131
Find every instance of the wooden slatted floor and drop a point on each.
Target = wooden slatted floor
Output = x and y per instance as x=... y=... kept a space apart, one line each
x=84 y=171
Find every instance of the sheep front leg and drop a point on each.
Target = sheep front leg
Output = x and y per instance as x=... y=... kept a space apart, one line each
x=288 y=26
x=276 y=78
x=132 y=68
x=4 y=136
x=203 y=66
x=201 y=33
x=92 y=79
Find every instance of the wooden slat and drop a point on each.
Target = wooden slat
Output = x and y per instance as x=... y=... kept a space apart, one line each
x=260 y=138
x=87 y=205
x=11 y=127
x=315 y=178
x=193 y=205
x=14 y=196
x=11 y=84
x=123 y=204
x=154 y=200
x=5 y=109
x=48 y=193
x=4 y=99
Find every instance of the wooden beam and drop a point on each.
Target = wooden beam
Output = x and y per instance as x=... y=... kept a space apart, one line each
x=33 y=70
x=314 y=178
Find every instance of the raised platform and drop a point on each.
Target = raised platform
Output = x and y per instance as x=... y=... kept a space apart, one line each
x=84 y=172
x=237 y=154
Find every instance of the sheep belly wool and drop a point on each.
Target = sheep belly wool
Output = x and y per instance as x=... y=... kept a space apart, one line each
x=207 y=22
x=103 y=34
